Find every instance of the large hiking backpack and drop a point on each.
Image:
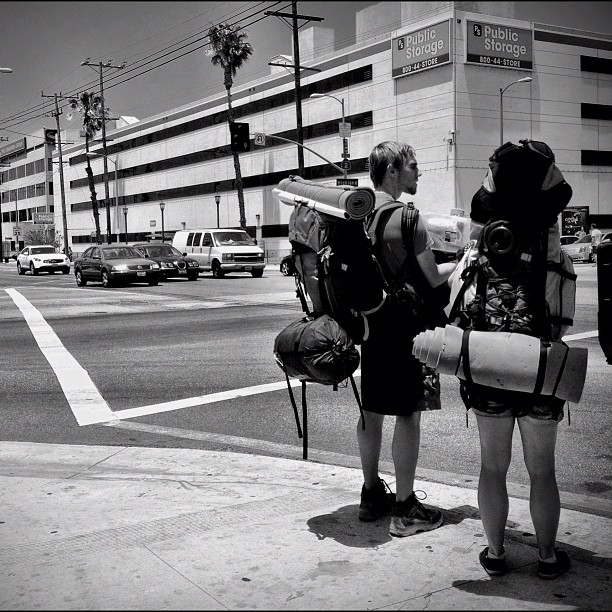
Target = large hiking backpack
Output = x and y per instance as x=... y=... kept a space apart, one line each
x=515 y=277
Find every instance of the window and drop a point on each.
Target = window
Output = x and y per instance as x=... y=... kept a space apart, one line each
x=189 y=239
x=20 y=171
x=39 y=165
x=30 y=169
x=196 y=238
x=207 y=240
x=40 y=189
x=31 y=190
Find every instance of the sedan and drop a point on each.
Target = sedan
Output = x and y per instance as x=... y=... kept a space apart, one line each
x=287 y=267
x=115 y=265
x=580 y=250
x=41 y=258
x=171 y=261
x=568 y=239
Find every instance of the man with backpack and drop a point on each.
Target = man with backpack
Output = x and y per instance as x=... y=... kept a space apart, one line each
x=391 y=378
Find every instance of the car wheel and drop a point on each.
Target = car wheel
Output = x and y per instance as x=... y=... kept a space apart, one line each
x=217 y=272
x=285 y=268
x=33 y=270
x=80 y=281
x=193 y=277
x=106 y=281
x=65 y=270
x=20 y=270
x=256 y=273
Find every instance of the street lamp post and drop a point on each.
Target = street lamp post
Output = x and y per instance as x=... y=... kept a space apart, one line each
x=125 y=211
x=108 y=219
x=7 y=70
x=217 y=202
x=162 y=205
x=501 y=106
x=345 y=152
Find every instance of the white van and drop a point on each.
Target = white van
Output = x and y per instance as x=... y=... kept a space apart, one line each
x=221 y=250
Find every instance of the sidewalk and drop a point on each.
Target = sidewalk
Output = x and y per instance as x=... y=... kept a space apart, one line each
x=100 y=527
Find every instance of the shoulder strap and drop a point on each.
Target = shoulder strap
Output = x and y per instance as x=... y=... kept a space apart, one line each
x=372 y=224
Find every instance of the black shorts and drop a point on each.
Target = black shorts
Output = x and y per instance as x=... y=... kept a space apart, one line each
x=391 y=378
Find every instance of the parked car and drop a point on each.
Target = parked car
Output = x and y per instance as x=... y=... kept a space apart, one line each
x=580 y=250
x=568 y=239
x=287 y=267
x=606 y=237
x=221 y=250
x=171 y=261
x=41 y=258
x=115 y=264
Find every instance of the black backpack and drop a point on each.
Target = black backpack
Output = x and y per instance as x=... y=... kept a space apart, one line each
x=339 y=282
x=507 y=275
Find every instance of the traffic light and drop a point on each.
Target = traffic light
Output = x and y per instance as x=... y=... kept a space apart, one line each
x=239 y=137
x=50 y=136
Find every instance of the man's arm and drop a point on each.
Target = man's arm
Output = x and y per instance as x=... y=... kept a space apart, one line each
x=435 y=273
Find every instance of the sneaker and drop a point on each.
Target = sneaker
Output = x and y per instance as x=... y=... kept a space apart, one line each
x=493 y=567
x=548 y=571
x=410 y=517
x=375 y=502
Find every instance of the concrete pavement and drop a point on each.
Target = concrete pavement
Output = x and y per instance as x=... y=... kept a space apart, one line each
x=126 y=528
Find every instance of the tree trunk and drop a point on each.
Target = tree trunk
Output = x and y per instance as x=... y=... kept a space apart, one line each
x=230 y=120
x=92 y=190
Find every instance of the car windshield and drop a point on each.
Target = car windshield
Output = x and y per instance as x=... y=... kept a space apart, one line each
x=161 y=250
x=121 y=253
x=43 y=249
x=568 y=239
x=584 y=239
x=233 y=239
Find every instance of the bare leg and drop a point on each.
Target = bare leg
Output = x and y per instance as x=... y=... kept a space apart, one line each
x=405 y=451
x=539 y=440
x=369 y=441
x=495 y=454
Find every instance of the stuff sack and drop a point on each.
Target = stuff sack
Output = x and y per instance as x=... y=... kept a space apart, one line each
x=316 y=350
x=515 y=277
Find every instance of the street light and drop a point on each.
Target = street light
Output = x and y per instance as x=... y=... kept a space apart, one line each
x=501 y=106
x=345 y=152
x=125 y=211
x=108 y=215
x=162 y=205
x=217 y=202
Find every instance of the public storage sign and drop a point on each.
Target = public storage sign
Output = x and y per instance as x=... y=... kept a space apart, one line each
x=500 y=46
x=420 y=50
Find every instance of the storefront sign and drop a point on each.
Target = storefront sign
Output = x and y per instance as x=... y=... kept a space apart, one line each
x=498 y=45
x=13 y=147
x=426 y=48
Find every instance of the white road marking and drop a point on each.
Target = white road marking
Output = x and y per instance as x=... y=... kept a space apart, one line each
x=582 y=336
x=86 y=403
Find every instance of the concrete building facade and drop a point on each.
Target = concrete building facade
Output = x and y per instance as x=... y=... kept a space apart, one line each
x=427 y=73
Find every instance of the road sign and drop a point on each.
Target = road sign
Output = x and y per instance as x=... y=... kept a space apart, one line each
x=43 y=217
x=347 y=181
x=344 y=130
x=16 y=231
x=345 y=148
x=259 y=139
x=345 y=164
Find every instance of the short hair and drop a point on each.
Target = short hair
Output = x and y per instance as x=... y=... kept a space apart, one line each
x=385 y=153
x=594 y=225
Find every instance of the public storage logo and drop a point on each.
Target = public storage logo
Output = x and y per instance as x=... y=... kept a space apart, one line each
x=420 y=50
x=499 y=46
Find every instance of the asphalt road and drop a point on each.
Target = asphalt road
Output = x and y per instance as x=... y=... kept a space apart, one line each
x=189 y=364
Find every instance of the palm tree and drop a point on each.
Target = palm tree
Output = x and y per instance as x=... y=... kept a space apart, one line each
x=89 y=106
x=230 y=50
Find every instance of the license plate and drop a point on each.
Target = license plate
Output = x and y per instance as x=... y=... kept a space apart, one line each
x=141 y=273
x=248 y=268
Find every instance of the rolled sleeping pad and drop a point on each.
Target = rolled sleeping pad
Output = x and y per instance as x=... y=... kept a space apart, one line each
x=505 y=360
x=358 y=202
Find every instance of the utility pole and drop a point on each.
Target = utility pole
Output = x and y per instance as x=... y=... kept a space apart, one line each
x=100 y=65
x=296 y=66
x=57 y=114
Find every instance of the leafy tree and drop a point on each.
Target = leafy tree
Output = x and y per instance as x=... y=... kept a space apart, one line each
x=89 y=106
x=230 y=51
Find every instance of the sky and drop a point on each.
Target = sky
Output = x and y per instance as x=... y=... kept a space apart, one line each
x=163 y=45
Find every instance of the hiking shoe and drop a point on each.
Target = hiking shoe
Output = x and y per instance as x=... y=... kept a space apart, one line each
x=548 y=571
x=375 y=502
x=493 y=567
x=410 y=517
